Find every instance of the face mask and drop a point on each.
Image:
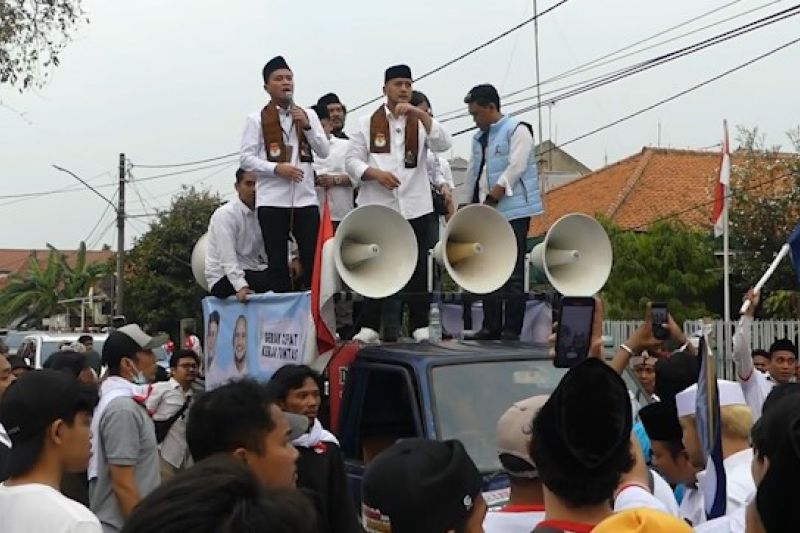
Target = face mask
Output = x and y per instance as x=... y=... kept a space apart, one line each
x=139 y=378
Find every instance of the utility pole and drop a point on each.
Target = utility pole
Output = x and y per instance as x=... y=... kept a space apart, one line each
x=538 y=86
x=120 y=237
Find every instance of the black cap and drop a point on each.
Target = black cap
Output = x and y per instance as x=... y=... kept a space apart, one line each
x=276 y=63
x=420 y=485
x=328 y=99
x=321 y=111
x=660 y=420
x=397 y=71
x=674 y=374
x=482 y=92
x=783 y=345
x=585 y=424
x=30 y=404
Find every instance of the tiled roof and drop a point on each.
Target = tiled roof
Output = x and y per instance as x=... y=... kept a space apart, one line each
x=13 y=261
x=651 y=185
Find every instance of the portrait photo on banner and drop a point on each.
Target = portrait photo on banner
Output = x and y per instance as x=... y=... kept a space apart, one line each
x=256 y=338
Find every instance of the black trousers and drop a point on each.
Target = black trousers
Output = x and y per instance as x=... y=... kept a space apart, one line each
x=276 y=225
x=257 y=280
x=419 y=303
x=511 y=293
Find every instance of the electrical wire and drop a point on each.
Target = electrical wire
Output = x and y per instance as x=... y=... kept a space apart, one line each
x=635 y=69
x=179 y=172
x=471 y=51
x=188 y=163
x=61 y=190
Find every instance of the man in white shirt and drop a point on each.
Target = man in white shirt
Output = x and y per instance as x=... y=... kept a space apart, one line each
x=236 y=262
x=169 y=403
x=279 y=144
x=502 y=174
x=780 y=369
x=47 y=414
x=388 y=155
x=735 y=421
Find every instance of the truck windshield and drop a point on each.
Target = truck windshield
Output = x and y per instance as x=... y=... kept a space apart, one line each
x=469 y=399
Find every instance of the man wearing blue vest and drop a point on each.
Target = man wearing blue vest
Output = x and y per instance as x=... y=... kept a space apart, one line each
x=502 y=174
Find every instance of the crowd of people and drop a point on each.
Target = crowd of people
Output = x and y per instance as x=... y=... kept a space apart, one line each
x=294 y=159
x=122 y=451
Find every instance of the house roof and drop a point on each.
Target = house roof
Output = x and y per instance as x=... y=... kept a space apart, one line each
x=638 y=190
x=13 y=261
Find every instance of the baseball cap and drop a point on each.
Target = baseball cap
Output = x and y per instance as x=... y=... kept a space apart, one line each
x=514 y=437
x=419 y=485
x=128 y=340
x=298 y=424
x=31 y=404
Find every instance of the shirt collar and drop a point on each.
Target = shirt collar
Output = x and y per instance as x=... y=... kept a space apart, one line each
x=243 y=206
x=738 y=459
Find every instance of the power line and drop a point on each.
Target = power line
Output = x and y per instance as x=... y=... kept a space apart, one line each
x=68 y=188
x=472 y=50
x=597 y=62
x=179 y=172
x=100 y=220
x=635 y=69
x=188 y=163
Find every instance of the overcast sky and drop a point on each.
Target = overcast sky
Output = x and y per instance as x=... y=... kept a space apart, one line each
x=171 y=81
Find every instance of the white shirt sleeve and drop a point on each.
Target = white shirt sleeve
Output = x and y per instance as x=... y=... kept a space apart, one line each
x=355 y=161
x=438 y=140
x=635 y=497
x=222 y=234
x=519 y=154
x=447 y=172
x=316 y=135
x=755 y=385
x=250 y=148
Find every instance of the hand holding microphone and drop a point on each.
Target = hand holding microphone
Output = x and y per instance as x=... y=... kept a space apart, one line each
x=298 y=113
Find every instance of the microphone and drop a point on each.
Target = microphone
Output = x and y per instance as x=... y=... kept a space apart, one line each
x=290 y=99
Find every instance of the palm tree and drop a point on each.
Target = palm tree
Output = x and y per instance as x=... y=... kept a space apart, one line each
x=35 y=294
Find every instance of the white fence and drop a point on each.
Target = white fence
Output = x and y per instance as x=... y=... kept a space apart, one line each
x=764 y=333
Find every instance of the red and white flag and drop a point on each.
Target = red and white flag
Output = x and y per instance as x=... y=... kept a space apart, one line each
x=721 y=190
x=324 y=284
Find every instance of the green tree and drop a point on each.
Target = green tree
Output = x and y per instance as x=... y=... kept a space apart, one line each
x=765 y=207
x=670 y=262
x=33 y=34
x=35 y=293
x=159 y=286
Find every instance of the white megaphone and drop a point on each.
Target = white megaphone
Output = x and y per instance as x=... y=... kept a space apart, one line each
x=199 y=261
x=478 y=249
x=375 y=251
x=575 y=255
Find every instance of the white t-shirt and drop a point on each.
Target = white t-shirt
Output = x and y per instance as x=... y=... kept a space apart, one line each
x=36 y=508
x=513 y=519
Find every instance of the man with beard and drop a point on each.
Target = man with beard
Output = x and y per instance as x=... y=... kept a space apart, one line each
x=337 y=113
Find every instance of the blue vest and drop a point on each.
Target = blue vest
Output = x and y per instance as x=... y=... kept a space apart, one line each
x=526 y=200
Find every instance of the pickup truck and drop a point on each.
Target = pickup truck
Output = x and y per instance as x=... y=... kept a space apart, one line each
x=450 y=390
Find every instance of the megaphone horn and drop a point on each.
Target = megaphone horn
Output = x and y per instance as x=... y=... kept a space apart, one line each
x=375 y=251
x=478 y=249
x=199 y=253
x=576 y=255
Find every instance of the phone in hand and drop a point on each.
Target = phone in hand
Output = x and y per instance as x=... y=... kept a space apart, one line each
x=659 y=316
x=574 y=332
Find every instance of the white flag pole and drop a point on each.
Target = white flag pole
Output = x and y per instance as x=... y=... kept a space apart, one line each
x=784 y=251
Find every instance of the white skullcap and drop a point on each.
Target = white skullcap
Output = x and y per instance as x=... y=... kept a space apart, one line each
x=730 y=393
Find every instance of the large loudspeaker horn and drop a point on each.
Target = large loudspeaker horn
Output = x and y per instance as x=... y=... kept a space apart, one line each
x=375 y=251
x=576 y=255
x=199 y=261
x=478 y=249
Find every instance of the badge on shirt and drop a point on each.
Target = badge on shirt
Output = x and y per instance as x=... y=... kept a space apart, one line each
x=305 y=150
x=380 y=140
x=411 y=159
x=274 y=150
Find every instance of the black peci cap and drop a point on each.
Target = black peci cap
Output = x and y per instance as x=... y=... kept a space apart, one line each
x=660 y=420
x=397 y=71
x=328 y=99
x=276 y=63
x=420 y=485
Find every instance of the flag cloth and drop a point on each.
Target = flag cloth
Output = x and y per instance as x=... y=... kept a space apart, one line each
x=794 y=244
x=721 y=190
x=324 y=284
x=707 y=416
